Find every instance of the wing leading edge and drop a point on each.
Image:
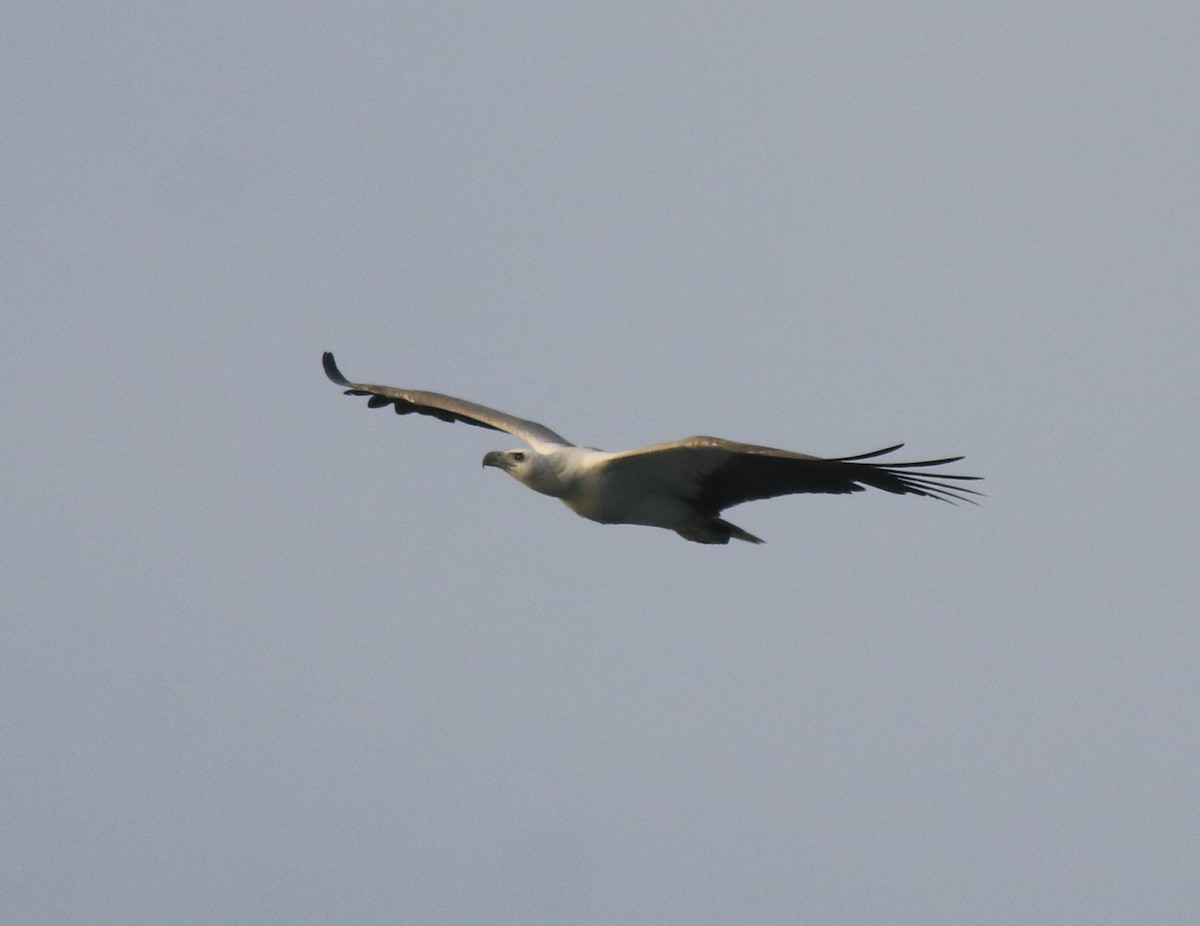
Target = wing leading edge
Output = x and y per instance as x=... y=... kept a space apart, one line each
x=445 y=408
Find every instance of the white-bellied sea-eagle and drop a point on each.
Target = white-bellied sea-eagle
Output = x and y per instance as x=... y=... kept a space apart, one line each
x=682 y=485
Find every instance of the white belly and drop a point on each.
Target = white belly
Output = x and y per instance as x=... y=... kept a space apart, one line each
x=616 y=507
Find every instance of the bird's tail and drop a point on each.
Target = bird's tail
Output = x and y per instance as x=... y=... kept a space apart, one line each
x=735 y=531
x=715 y=530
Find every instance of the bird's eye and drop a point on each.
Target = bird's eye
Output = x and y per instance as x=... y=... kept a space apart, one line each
x=518 y=456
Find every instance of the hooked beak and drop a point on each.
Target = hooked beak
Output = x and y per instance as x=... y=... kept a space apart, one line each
x=494 y=458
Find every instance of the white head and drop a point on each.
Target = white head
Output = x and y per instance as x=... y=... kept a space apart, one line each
x=536 y=470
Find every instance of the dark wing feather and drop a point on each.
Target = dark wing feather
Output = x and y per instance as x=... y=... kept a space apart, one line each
x=751 y=473
x=716 y=474
x=444 y=408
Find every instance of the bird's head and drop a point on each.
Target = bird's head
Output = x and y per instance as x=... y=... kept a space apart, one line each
x=508 y=460
x=527 y=466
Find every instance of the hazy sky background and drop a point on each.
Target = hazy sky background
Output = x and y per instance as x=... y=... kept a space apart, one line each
x=272 y=658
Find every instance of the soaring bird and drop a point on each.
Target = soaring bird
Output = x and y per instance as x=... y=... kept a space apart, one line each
x=682 y=485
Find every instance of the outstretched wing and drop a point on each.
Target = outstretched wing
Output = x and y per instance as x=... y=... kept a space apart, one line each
x=715 y=474
x=445 y=408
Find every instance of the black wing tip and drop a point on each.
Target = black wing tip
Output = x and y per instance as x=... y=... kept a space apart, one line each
x=868 y=456
x=944 y=493
x=332 y=371
x=900 y=478
x=930 y=485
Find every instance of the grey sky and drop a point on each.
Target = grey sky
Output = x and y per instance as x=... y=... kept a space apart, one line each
x=269 y=657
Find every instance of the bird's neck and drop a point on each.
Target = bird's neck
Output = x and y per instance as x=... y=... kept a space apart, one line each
x=557 y=472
